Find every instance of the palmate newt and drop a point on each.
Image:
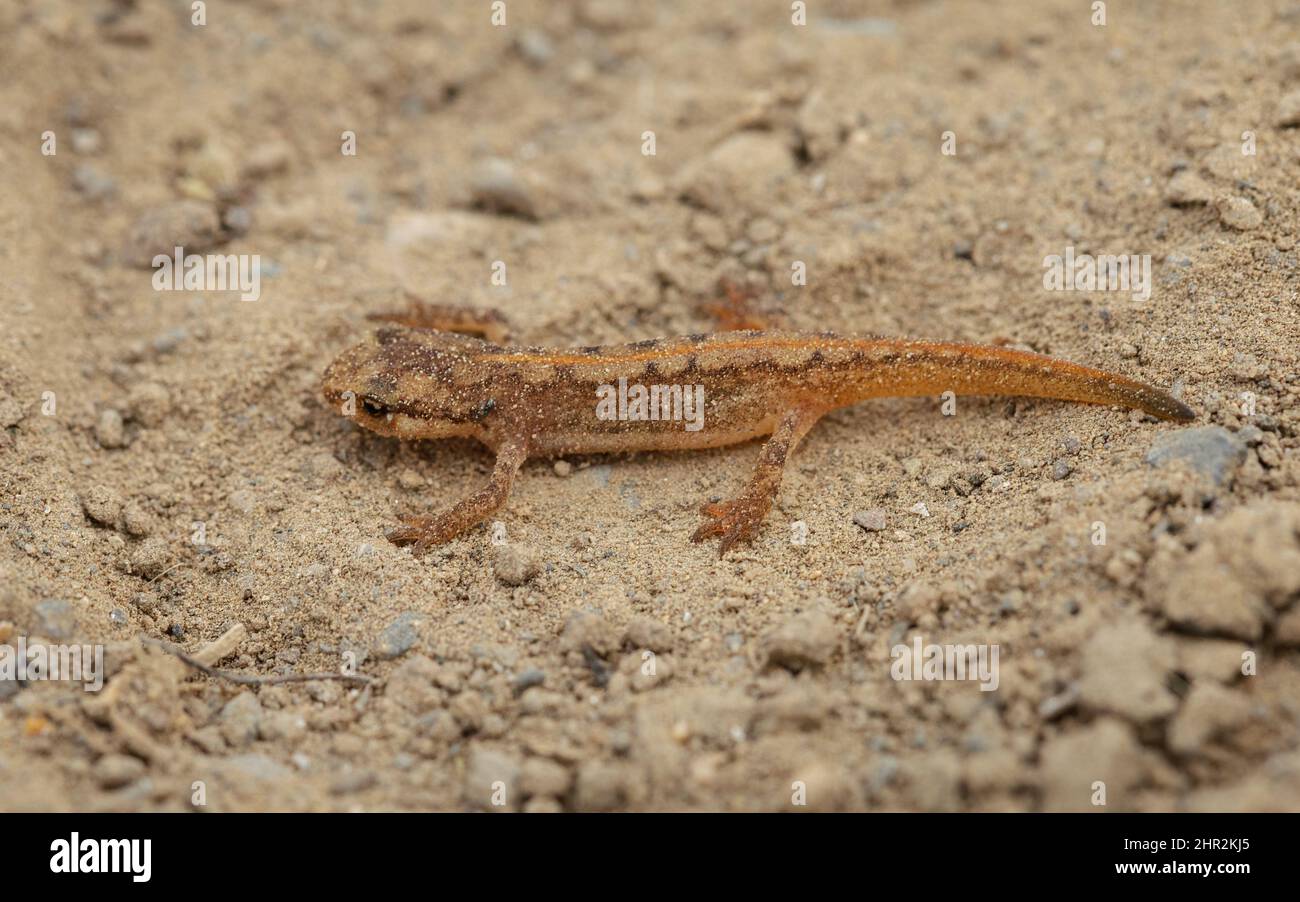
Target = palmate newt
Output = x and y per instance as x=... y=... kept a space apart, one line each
x=415 y=381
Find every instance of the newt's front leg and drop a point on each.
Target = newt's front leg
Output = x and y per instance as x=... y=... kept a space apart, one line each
x=425 y=532
x=422 y=314
x=738 y=310
x=740 y=517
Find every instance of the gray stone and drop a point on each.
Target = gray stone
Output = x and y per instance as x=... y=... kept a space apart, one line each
x=56 y=618
x=1210 y=450
x=398 y=637
x=527 y=679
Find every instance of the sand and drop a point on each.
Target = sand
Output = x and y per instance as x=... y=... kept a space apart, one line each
x=169 y=470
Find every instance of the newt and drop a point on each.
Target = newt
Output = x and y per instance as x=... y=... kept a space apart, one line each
x=412 y=380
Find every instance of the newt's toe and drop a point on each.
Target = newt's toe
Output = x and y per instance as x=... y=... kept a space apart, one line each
x=402 y=535
x=421 y=533
x=735 y=521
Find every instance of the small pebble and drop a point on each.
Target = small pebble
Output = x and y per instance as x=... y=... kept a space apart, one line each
x=1239 y=213
x=585 y=629
x=515 y=565
x=55 y=618
x=113 y=771
x=535 y=47
x=11 y=412
x=353 y=781
x=491 y=777
x=544 y=777
x=1061 y=469
x=648 y=633
x=238 y=220
x=1187 y=188
x=495 y=186
x=92 y=184
x=110 y=431
x=872 y=520
x=916 y=600
x=86 y=141
x=808 y=639
x=150 y=558
x=1288 y=110
x=190 y=224
x=409 y=479
x=271 y=158
x=102 y=505
x=136 y=520
x=281 y=726
x=149 y=404
x=239 y=719
x=145 y=602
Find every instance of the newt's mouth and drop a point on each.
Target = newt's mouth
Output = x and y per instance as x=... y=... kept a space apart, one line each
x=375 y=408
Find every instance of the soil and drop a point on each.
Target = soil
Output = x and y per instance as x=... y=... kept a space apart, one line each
x=169 y=471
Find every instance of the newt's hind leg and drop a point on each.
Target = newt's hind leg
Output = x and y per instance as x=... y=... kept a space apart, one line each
x=739 y=518
x=738 y=310
x=425 y=532
x=421 y=314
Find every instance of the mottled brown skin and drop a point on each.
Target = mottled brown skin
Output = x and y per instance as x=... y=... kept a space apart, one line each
x=418 y=383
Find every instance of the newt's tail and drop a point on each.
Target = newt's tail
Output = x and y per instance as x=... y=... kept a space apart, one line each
x=899 y=367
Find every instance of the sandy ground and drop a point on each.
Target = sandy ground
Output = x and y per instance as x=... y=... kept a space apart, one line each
x=169 y=470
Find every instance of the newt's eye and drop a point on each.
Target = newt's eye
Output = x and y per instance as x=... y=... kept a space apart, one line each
x=373 y=406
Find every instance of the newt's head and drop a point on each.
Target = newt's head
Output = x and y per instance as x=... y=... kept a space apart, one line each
x=411 y=383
